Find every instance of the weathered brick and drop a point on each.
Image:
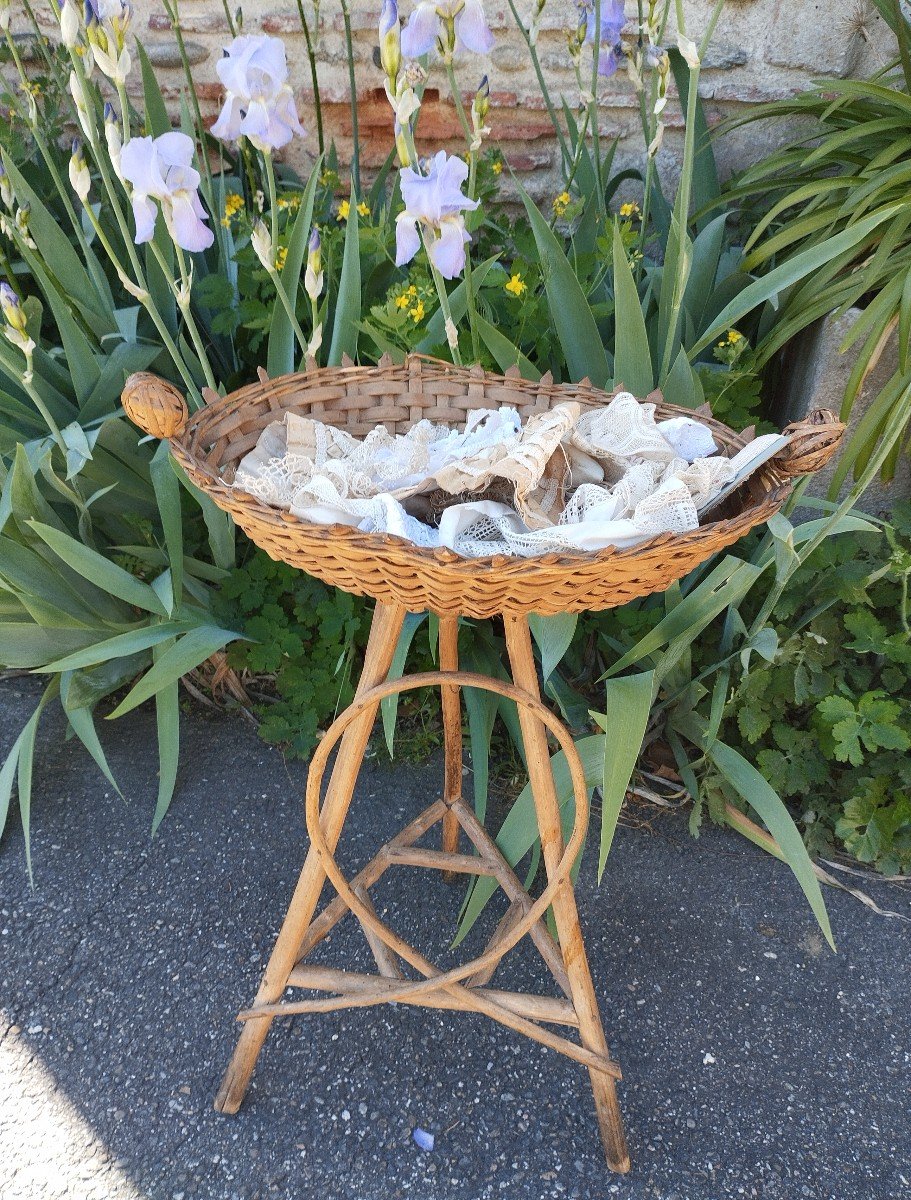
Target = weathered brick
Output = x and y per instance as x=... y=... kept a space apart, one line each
x=204 y=22
x=763 y=50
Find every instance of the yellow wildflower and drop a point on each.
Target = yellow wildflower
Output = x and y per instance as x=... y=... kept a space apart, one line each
x=734 y=336
x=417 y=313
x=291 y=202
x=364 y=209
x=412 y=291
x=233 y=204
x=281 y=256
x=561 y=203
x=402 y=301
x=630 y=210
x=516 y=285
x=497 y=167
x=343 y=209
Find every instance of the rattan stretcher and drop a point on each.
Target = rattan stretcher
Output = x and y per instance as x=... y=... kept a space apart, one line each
x=405 y=578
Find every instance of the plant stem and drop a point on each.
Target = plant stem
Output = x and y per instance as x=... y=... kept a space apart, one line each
x=311 y=55
x=593 y=105
x=184 y=301
x=51 y=165
x=229 y=18
x=289 y=309
x=273 y=198
x=472 y=174
x=52 y=425
x=352 y=87
x=163 y=332
x=174 y=14
x=542 y=83
x=457 y=100
x=273 y=270
x=444 y=306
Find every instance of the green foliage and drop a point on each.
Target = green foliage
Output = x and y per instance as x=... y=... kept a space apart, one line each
x=847 y=165
x=830 y=730
x=303 y=637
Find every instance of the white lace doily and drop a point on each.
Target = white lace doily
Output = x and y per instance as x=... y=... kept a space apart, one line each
x=611 y=476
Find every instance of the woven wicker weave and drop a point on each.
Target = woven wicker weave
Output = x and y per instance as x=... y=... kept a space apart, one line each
x=210 y=444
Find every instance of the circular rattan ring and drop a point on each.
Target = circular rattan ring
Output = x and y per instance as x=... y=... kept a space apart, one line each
x=369 y=919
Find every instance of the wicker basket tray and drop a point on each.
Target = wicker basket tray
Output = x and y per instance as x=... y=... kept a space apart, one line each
x=209 y=444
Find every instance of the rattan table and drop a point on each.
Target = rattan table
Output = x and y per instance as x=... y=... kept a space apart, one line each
x=405 y=578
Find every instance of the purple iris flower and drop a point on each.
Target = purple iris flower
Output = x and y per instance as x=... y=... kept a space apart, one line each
x=613 y=19
x=435 y=201
x=425 y=25
x=259 y=103
x=160 y=169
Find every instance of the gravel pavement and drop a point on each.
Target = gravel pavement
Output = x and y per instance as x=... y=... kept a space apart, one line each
x=756 y=1062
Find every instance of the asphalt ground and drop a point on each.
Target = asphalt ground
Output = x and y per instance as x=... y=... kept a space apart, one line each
x=756 y=1062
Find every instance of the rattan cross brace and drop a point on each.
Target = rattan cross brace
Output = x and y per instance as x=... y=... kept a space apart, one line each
x=463 y=988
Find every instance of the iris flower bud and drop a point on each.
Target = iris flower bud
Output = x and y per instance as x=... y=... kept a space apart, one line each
x=11 y=307
x=69 y=24
x=112 y=135
x=6 y=189
x=80 y=176
x=261 y=241
x=390 y=40
x=313 y=276
x=481 y=103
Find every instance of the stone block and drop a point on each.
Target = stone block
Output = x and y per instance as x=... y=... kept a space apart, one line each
x=815 y=374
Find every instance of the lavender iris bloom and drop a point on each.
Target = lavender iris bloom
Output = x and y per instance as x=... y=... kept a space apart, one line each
x=425 y=24
x=104 y=10
x=259 y=104
x=613 y=19
x=160 y=169
x=435 y=202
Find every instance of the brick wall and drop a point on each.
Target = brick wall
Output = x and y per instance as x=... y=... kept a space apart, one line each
x=762 y=49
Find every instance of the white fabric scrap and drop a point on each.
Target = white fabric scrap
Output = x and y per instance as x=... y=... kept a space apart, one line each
x=581 y=480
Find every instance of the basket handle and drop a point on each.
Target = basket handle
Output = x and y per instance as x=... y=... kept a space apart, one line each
x=155 y=405
x=814 y=441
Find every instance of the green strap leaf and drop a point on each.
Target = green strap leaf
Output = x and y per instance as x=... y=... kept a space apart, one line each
x=751 y=786
x=280 y=355
x=570 y=310
x=789 y=273
x=390 y=705
x=553 y=636
x=481 y=708
x=632 y=356
x=167 y=493
x=26 y=646
x=123 y=644
x=726 y=584
x=167 y=721
x=348 y=304
x=83 y=725
x=184 y=656
x=156 y=111
x=23 y=756
x=624 y=721
x=519 y=831
x=504 y=352
x=100 y=570
x=458 y=306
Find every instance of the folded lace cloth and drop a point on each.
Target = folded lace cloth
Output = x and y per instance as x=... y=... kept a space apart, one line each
x=612 y=476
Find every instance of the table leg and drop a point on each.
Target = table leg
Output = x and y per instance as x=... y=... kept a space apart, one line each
x=384 y=636
x=547 y=809
x=452 y=736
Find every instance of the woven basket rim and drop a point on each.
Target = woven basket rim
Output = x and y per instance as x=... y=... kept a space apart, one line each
x=584 y=392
